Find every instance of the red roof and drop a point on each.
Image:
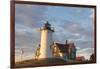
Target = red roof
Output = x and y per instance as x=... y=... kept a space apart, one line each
x=80 y=58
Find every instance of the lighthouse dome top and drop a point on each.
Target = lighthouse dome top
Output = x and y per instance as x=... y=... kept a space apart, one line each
x=47 y=26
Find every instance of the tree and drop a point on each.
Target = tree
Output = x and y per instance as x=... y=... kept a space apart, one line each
x=92 y=57
x=37 y=53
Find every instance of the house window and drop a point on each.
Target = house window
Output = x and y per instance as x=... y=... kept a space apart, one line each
x=61 y=55
x=55 y=49
x=65 y=56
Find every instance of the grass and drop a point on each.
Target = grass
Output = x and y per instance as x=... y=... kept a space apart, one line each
x=47 y=62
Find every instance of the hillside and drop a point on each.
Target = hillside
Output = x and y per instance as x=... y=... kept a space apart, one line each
x=46 y=62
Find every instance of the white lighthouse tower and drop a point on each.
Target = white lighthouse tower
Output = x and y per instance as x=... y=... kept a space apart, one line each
x=46 y=41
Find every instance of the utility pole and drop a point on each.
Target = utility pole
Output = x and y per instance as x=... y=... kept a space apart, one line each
x=22 y=52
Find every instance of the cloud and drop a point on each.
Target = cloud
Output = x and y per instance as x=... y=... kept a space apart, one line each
x=78 y=48
x=92 y=13
x=86 y=52
x=24 y=57
x=76 y=28
x=29 y=15
x=27 y=20
x=73 y=31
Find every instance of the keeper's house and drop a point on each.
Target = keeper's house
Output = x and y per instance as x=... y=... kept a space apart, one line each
x=65 y=51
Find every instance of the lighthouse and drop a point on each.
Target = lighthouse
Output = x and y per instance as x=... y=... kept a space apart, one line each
x=46 y=41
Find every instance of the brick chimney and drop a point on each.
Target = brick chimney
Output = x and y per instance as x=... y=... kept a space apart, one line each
x=66 y=42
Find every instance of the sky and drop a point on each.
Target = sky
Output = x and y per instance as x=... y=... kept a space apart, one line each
x=74 y=24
